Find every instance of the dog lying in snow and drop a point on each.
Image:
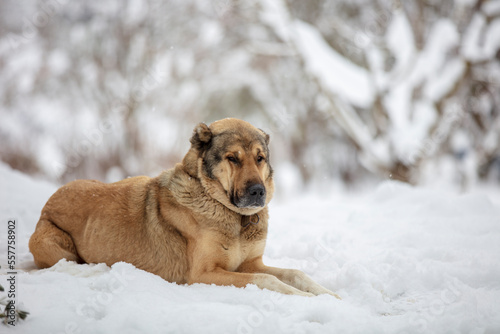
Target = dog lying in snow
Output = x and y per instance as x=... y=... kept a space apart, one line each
x=204 y=221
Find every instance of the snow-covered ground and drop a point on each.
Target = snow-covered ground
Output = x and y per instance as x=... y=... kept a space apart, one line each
x=403 y=259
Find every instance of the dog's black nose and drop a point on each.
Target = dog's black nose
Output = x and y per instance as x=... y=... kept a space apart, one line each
x=257 y=194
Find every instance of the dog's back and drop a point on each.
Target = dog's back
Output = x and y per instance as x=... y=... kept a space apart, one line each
x=94 y=222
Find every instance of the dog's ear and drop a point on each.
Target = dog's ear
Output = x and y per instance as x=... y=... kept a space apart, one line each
x=199 y=141
x=201 y=136
x=266 y=136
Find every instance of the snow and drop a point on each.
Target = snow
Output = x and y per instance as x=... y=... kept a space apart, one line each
x=400 y=41
x=433 y=69
x=337 y=73
x=403 y=259
x=275 y=14
x=481 y=40
x=491 y=8
x=211 y=33
x=445 y=80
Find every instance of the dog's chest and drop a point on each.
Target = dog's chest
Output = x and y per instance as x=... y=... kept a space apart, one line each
x=250 y=244
x=251 y=234
x=242 y=250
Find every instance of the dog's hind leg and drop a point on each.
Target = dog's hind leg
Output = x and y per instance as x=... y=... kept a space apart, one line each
x=49 y=244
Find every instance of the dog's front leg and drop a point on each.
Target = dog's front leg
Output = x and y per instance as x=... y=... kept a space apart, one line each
x=299 y=280
x=293 y=277
x=220 y=276
x=211 y=260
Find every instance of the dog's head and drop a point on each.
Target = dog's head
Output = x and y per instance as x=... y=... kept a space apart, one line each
x=231 y=158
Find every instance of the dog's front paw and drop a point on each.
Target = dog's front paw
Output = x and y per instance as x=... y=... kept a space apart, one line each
x=319 y=290
x=334 y=294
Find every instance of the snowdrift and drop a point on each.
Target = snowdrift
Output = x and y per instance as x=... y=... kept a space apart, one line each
x=403 y=259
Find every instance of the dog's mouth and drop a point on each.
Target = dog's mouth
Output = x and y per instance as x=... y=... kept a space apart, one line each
x=253 y=197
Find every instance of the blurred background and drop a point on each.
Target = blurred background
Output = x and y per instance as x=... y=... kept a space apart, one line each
x=351 y=92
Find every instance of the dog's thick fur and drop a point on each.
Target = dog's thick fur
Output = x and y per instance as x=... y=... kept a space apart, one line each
x=204 y=221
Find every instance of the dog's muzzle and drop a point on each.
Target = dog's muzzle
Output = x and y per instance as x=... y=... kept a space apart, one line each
x=255 y=196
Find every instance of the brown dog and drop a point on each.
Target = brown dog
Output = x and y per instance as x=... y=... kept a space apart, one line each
x=204 y=221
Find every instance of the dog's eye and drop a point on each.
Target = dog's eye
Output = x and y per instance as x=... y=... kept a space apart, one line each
x=232 y=159
x=260 y=158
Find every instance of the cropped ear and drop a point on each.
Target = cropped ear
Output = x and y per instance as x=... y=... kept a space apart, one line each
x=201 y=136
x=266 y=136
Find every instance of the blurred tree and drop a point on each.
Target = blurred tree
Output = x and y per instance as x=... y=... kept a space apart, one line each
x=347 y=89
